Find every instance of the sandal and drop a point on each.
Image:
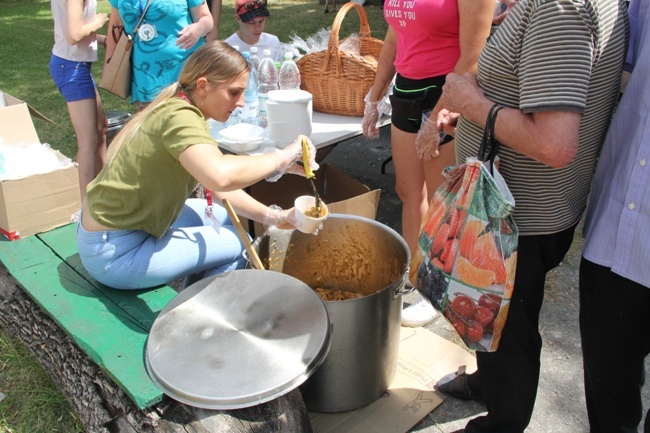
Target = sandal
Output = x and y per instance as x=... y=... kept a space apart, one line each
x=456 y=385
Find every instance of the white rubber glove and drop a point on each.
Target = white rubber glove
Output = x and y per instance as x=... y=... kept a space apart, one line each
x=428 y=139
x=282 y=219
x=286 y=160
x=370 y=119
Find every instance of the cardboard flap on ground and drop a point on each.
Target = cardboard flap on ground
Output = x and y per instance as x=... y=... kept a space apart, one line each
x=38 y=202
x=341 y=193
x=423 y=359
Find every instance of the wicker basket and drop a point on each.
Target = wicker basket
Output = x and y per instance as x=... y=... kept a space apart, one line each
x=339 y=80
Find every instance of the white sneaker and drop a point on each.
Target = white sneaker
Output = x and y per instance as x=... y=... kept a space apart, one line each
x=419 y=313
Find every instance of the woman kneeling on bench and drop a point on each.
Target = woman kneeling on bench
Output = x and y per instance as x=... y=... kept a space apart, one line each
x=138 y=227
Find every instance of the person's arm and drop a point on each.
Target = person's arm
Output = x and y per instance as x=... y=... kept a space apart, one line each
x=385 y=66
x=213 y=34
x=475 y=17
x=219 y=172
x=248 y=207
x=550 y=137
x=76 y=30
x=201 y=25
x=227 y=175
x=475 y=22
x=101 y=40
x=383 y=77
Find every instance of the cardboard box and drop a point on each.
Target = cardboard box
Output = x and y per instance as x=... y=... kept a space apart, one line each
x=39 y=202
x=340 y=192
x=423 y=359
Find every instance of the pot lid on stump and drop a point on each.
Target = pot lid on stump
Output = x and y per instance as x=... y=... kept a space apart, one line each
x=238 y=339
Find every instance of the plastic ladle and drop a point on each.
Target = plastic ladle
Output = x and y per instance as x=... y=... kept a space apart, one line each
x=310 y=174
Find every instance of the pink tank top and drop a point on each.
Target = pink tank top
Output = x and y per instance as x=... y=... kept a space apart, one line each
x=428 y=36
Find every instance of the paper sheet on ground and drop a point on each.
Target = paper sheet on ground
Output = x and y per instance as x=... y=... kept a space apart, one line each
x=423 y=359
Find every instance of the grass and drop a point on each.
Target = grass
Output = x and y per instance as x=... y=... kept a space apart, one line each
x=32 y=403
x=26 y=35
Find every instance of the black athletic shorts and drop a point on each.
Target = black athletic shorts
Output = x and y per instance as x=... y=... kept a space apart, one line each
x=411 y=98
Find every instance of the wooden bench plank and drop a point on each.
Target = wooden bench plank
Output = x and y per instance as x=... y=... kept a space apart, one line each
x=109 y=335
x=20 y=255
x=149 y=302
x=106 y=333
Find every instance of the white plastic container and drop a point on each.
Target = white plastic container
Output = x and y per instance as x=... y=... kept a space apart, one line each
x=289 y=114
x=305 y=204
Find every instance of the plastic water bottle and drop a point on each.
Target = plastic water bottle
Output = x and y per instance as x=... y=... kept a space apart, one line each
x=289 y=73
x=255 y=59
x=267 y=76
x=251 y=113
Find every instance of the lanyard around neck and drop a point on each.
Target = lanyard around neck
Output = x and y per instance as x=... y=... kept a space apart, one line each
x=142 y=5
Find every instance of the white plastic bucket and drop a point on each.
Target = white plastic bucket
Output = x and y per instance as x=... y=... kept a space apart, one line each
x=289 y=114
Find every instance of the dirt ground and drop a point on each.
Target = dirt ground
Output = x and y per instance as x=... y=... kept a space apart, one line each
x=560 y=406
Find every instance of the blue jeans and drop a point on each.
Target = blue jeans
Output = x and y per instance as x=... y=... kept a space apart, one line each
x=191 y=249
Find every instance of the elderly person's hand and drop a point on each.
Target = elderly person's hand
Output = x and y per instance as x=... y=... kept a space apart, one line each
x=498 y=19
x=461 y=92
x=447 y=121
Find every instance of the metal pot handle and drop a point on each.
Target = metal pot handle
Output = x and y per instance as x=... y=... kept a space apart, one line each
x=403 y=289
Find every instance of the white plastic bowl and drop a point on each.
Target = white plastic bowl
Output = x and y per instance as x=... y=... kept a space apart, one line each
x=308 y=224
x=240 y=146
x=243 y=133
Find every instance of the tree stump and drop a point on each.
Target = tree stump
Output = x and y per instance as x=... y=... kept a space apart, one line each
x=103 y=407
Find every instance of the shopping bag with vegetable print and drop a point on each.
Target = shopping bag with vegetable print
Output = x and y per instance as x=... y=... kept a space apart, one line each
x=467 y=248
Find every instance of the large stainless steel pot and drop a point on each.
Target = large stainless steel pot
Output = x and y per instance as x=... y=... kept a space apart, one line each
x=116 y=121
x=360 y=255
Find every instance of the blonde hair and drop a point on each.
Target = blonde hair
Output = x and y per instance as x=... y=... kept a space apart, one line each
x=217 y=61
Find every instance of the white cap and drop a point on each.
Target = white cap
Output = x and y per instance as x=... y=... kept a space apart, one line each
x=253 y=50
x=288 y=55
x=266 y=52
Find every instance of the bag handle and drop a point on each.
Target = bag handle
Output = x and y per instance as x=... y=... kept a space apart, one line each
x=117 y=31
x=489 y=143
x=137 y=26
x=120 y=29
x=333 y=44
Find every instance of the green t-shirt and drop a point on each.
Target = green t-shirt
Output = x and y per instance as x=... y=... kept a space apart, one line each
x=145 y=186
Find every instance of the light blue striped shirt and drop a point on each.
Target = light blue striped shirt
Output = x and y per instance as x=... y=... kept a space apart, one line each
x=617 y=226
